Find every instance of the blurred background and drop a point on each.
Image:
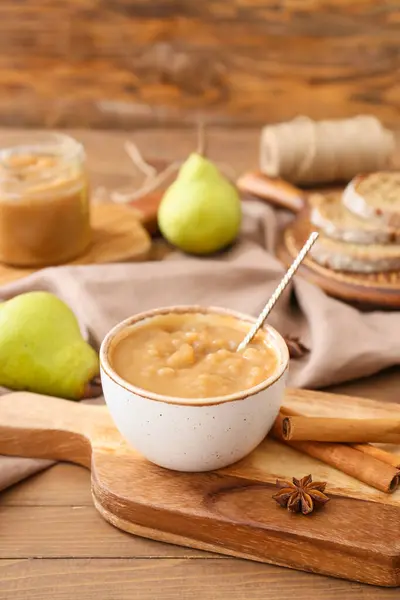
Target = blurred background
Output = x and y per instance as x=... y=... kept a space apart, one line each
x=140 y=63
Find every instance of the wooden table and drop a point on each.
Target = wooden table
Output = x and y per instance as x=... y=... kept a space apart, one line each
x=54 y=545
x=131 y=63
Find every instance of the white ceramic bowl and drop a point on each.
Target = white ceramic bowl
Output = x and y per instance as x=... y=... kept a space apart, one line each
x=193 y=434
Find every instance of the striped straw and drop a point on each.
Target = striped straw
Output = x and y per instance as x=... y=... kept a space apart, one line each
x=277 y=293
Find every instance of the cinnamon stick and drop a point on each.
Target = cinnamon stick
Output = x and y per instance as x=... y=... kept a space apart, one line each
x=276 y=191
x=322 y=429
x=379 y=453
x=345 y=458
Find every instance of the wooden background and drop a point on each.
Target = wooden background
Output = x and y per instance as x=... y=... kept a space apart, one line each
x=121 y=63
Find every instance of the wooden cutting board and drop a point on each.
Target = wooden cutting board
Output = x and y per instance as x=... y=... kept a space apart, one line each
x=355 y=536
x=118 y=236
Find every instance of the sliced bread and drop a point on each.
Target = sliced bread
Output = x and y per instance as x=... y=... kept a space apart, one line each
x=328 y=213
x=375 y=196
x=355 y=258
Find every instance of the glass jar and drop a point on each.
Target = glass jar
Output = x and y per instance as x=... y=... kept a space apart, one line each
x=44 y=199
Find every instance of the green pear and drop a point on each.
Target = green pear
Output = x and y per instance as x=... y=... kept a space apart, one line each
x=42 y=349
x=200 y=212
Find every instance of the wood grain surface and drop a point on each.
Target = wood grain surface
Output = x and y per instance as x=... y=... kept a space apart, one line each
x=56 y=538
x=106 y=574
x=134 y=579
x=230 y=511
x=115 y=63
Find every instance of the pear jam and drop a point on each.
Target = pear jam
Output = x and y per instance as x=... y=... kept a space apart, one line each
x=192 y=356
x=44 y=200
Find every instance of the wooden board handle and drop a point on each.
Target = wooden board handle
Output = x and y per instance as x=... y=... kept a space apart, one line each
x=38 y=426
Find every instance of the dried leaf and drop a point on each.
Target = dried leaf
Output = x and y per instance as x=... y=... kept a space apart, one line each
x=296 y=348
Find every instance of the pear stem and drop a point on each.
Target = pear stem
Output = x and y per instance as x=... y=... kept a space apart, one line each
x=201 y=139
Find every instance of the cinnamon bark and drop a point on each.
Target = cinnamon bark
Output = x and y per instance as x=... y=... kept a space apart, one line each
x=276 y=191
x=323 y=429
x=379 y=453
x=345 y=458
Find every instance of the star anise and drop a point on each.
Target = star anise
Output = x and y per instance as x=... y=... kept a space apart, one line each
x=303 y=495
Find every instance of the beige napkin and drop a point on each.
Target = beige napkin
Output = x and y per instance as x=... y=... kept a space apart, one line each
x=344 y=343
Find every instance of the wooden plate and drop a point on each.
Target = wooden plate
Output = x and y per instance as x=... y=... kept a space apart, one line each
x=118 y=236
x=372 y=290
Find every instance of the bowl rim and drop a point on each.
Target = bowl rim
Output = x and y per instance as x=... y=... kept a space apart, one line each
x=105 y=366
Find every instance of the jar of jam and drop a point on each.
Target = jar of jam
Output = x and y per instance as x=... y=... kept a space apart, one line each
x=44 y=199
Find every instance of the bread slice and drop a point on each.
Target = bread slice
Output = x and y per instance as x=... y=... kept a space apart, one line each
x=355 y=258
x=328 y=213
x=375 y=196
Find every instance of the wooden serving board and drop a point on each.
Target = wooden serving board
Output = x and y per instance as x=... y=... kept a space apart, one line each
x=355 y=536
x=118 y=236
x=368 y=289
